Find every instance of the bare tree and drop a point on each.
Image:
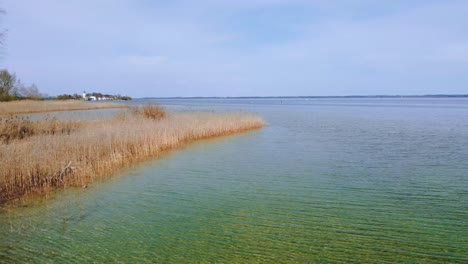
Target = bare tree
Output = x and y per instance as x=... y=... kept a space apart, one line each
x=28 y=92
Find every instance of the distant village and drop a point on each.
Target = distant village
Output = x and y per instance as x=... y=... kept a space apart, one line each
x=93 y=97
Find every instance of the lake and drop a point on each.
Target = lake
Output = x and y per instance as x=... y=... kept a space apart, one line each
x=327 y=180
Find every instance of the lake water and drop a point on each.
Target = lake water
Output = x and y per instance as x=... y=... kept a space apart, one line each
x=328 y=180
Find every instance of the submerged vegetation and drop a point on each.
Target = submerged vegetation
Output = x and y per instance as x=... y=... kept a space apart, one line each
x=29 y=106
x=37 y=156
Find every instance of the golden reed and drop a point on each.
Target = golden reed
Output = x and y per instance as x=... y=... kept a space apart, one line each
x=30 y=106
x=94 y=149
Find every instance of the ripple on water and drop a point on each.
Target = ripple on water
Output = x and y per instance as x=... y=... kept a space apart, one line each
x=337 y=183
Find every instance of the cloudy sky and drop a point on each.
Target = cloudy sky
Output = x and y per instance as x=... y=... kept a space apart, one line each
x=238 y=47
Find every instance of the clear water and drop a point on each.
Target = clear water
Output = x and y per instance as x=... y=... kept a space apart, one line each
x=328 y=180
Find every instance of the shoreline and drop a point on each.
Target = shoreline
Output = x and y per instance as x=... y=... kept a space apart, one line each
x=75 y=154
x=428 y=96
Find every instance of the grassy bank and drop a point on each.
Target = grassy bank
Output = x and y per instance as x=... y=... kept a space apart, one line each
x=86 y=150
x=29 y=106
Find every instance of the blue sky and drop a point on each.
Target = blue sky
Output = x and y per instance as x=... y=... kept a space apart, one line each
x=238 y=47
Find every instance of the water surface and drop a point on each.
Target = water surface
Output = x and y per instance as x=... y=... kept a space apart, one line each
x=328 y=180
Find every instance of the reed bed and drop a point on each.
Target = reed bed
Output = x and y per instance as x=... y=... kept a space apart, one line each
x=43 y=162
x=29 y=106
x=155 y=112
x=21 y=127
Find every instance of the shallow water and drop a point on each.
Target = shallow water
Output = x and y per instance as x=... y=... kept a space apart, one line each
x=328 y=180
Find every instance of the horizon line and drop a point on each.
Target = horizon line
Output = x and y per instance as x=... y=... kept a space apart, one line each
x=311 y=96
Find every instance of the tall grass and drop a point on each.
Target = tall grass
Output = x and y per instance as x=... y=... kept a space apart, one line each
x=44 y=161
x=20 y=127
x=29 y=106
x=155 y=112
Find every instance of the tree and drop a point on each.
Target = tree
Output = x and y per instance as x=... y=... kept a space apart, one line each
x=28 y=92
x=69 y=97
x=7 y=82
x=11 y=88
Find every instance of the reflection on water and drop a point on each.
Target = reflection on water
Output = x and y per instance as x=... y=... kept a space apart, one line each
x=338 y=180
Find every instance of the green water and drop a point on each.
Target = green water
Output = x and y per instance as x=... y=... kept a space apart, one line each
x=341 y=181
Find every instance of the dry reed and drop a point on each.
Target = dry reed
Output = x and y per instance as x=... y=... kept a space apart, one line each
x=29 y=106
x=155 y=112
x=21 y=127
x=45 y=161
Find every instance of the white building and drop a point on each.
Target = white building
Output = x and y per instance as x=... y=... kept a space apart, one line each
x=89 y=98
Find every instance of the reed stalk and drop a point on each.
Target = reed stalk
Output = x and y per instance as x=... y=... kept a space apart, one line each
x=30 y=106
x=92 y=150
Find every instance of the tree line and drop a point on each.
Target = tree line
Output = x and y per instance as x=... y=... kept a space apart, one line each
x=11 y=88
x=89 y=96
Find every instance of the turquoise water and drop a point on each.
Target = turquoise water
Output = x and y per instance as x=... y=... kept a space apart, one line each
x=328 y=180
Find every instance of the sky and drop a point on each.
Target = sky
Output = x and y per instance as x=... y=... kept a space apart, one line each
x=148 y=48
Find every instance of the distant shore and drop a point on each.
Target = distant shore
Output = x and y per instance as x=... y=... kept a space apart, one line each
x=315 y=97
x=42 y=155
